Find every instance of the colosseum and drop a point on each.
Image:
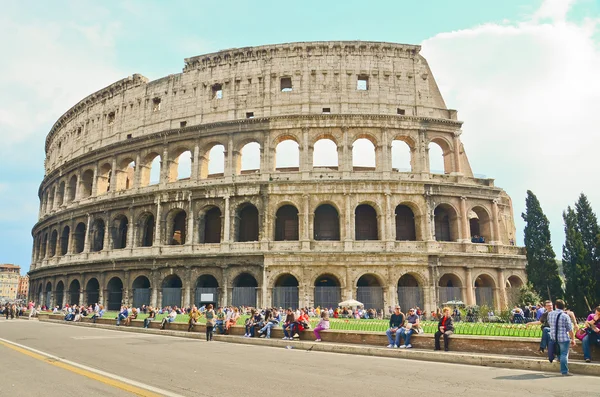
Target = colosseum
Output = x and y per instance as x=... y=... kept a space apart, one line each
x=281 y=175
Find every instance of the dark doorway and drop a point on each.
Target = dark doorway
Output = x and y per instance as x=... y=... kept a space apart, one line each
x=115 y=294
x=405 y=224
x=207 y=290
x=285 y=292
x=286 y=223
x=365 y=223
x=171 y=291
x=244 y=290
x=92 y=291
x=141 y=291
x=326 y=223
x=248 y=223
x=210 y=226
x=327 y=292
x=148 y=230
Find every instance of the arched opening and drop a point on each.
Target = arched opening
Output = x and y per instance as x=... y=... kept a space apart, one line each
x=484 y=290
x=247 y=223
x=171 y=291
x=50 y=202
x=401 y=156
x=285 y=292
x=40 y=295
x=325 y=154
x=92 y=291
x=59 y=295
x=513 y=290
x=74 y=291
x=369 y=292
x=104 y=177
x=405 y=224
x=97 y=233
x=60 y=197
x=287 y=156
x=327 y=291
x=177 y=230
x=209 y=226
x=286 y=223
x=410 y=293
x=363 y=155
x=150 y=169
x=207 y=290
x=141 y=291
x=250 y=159
x=53 y=242
x=119 y=232
x=147 y=230
x=79 y=237
x=181 y=167
x=365 y=223
x=72 y=189
x=48 y=297
x=450 y=289
x=125 y=174
x=436 y=159
x=115 y=294
x=326 y=223
x=87 y=182
x=244 y=290
x=480 y=225
x=446 y=223
x=44 y=245
x=64 y=240
x=216 y=162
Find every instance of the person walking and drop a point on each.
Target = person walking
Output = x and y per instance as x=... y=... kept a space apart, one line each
x=210 y=322
x=561 y=332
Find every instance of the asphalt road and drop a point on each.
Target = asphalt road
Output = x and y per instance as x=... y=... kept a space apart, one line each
x=188 y=367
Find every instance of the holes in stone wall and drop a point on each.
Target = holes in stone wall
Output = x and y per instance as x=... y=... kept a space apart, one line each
x=286 y=84
x=362 y=83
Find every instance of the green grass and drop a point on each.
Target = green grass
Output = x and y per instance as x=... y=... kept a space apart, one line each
x=429 y=327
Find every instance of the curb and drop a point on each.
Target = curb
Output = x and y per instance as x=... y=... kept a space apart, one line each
x=482 y=360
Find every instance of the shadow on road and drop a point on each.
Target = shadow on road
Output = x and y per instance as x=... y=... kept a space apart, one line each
x=527 y=377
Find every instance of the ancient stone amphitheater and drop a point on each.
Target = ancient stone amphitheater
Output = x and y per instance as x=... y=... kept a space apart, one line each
x=284 y=175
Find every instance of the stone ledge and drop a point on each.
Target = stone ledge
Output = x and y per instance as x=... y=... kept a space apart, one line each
x=453 y=357
x=509 y=346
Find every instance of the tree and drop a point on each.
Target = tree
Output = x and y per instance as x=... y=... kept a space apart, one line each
x=541 y=268
x=587 y=224
x=580 y=284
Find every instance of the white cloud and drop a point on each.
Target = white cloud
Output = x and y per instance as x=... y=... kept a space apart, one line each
x=528 y=93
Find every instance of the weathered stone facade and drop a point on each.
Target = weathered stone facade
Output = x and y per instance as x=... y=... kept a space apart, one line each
x=296 y=235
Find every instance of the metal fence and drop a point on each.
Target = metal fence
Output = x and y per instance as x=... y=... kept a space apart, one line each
x=114 y=300
x=243 y=296
x=484 y=296
x=285 y=297
x=204 y=296
x=141 y=296
x=410 y=297
x=93 y=297
x=449 y=294
x=370 y=297
x=58 y=296
x=171 y=297
x=327 y=296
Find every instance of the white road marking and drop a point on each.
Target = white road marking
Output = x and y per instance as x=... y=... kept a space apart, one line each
x=96 y=371
x=134 y=336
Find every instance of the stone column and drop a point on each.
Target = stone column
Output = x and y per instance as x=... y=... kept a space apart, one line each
x=305 y=223
x=306 y=155
x=470 y=296
x=137 y=172
x=349 y=287
x=131 y=230
x=107 y=234
x=164 y=166
x=345 y=160
x=113 y=175
x=194 y=176
x=496 y=223
x=349 y=230
x=157 y=226
x=464 y=220
x=187 y=292
x=456 y=143
x=226 y=222
x=86 y=237
x=502 y=299
x=389 y=218
x=191 y=233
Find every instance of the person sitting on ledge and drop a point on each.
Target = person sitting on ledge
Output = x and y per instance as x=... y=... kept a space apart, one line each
x=288 y=325
x=194 y=315
x=132 y=316
x=322 y=325
x=219 y=324
x=232 y=320
x=412 y=326
x=122 y=315
x=151 y=316
x=445 y=328
x=98 y=313
x=170 y=318
x=270 y=322
x=396 y=321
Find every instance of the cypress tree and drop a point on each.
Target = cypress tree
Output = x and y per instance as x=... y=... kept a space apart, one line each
x=590 y=234
x=542 y=269
x=577 y=270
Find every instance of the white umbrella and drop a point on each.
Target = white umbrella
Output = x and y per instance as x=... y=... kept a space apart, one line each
x=350 y=303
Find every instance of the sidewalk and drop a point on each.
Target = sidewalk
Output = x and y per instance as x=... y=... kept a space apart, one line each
x=484 y=360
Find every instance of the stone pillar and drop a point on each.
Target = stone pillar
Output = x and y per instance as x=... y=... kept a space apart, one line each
x=502 y=299
x=305 y=223
x=349 y=222
x=464 y=220
x=385 y=148
x=191 y=233
x=112 y=183
x=496 y=223
x=164 y=166
x=389 y=221
x=157 y=226
x=86 y=237
x=456 y=143
x=470 y=296
x=306 y=154
x=107 y=234
x=187 y=291
x=229 y=157
x=194 y=175
x=349 y=292
x=345 y=160
x=226 y=222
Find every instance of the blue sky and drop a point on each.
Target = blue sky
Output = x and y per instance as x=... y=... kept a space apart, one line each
x=523 y=75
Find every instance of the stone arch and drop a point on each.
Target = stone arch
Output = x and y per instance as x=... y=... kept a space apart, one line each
x=61 y=193
x=72 y=189
x=74 y=291
x=480 y=224
x=287 y=223
x=212 y=160
x=325 y=153
x=513 y=289
x=410 y=291
x=484 y=285
x=119 y=229
x=210 y=225
x=244 y=290
x=207 y=290
x=285 y=291
x=48 y=296
x=147 y=225
x=59 y=294
x=249 y=158
x=50 y=201
x=44 y=245
x=446 y=223
x=180 y=161
x=364 y=153
x=97 y=232
x=53 y=243
x=328 y=290
x=447 y=154
x=114 y=289
x=176 y=227
x=171 y=288
x=141 y=287
x=246 y=227
x=402 y=154
x=366 y=222
x=514 y=281
x=105 y=174
x=87 y=183
x=79 y=238
x=406 y=223
x=287 y=153
x=326 y=225
x=92 y=291
x=125 y=173
x=369 y=290
x=450 y=288
x=64 y=240
x=151 y=168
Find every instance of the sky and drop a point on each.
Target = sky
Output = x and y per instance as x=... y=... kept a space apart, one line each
x=523 y=75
